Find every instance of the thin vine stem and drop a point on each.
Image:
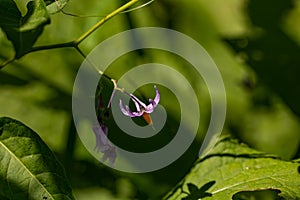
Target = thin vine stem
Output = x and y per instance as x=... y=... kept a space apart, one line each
x=92 y=64
x=98 y=16
x=139 y=7
x=53 y=46
x=6 y=62
x=76 y=42
x=105 y=19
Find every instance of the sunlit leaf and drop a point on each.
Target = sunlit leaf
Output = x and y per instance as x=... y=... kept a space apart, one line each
x=235 y=167
x=28 y=169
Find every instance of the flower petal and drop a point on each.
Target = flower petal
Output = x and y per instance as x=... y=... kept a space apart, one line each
x=157 y=96
x=140 y=106
x=153 y=103
x=137 y=105
x=101 y=138
x=134 y=114
x=109 y=154
x=126 y=111
x=135 y=99
x=138 y=114
x=130 y=113
x=150 y=108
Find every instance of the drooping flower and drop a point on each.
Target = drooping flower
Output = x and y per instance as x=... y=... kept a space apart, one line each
x=141 y=108
x=101 y=130
x=101 y=137
x=103 y=145
x=111 y=155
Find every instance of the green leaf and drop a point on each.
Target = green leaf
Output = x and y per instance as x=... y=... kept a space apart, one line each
x=271 y=53
x=235 y=168
x=54 y=6
x=28 y=168
x=23 y=31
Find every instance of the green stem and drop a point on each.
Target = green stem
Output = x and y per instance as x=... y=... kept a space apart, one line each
x=53 y=46
x=70 y=146
x=10 y=60
x=105 y=19
x=92 y=64
x=76 y=42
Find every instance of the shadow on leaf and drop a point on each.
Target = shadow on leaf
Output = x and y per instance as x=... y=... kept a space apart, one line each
x=196 y=193
x=8 y=79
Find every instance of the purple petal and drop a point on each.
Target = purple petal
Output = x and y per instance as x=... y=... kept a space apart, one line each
x=110 y=154
x=104 y=157
x=136 y=100
x=101 y=138
x=138 y=114
x=104 y=129
x=153 y=103
x=150 y=108
x=134 y=114
x=157 y=96
x=103 y=145
x=126 y=111
x=137 y=105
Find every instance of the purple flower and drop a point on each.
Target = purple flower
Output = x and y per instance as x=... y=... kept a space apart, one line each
x=141 y=108
x=110 y=154
x=103 y=145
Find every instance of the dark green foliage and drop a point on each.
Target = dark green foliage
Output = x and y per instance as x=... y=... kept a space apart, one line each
x=23 y=31
x=271 y=53
x=28 y=168
x=222 y=174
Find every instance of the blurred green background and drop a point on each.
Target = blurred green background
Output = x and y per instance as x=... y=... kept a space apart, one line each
x=256 y=46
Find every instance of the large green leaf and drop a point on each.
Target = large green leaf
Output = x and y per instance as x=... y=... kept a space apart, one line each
x=28 y=168
x=23 y=31
x=231 y=168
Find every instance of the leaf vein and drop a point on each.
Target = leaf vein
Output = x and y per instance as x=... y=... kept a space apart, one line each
x=22 y=164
